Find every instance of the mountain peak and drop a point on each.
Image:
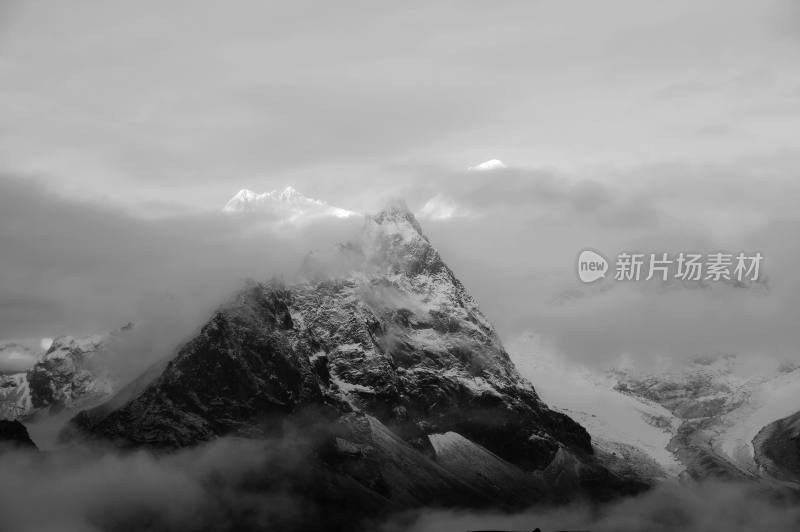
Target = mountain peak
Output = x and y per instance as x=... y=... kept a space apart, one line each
x=491 y=164
x=290 y=194
x=396 y=205
x=396 y=213
x=244 y=195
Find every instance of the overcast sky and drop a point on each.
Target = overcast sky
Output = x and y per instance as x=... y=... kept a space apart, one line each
x=125 y=126
x=187 y=102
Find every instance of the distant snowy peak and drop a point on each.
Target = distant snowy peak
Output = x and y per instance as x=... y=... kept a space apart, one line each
x=288 y=204
x=491 y=164
x=246 y=200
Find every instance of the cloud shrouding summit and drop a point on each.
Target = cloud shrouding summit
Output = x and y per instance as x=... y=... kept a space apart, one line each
x=512 y=238
x=80 y=268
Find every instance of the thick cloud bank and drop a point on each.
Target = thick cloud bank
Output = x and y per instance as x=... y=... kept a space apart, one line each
x=227 y=485
x=512 y=235
x=275 y=485
x=670 y=508
x=71 y=267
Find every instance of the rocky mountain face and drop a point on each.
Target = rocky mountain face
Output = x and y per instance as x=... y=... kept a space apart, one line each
x=776 y=449
x=15 y=396
x=383 y=342
x=72 y=374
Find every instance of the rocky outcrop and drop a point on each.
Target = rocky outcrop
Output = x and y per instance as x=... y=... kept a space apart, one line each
x=15 y=396
x=14 y=435
x=70 y=374
x=74 y=373
x=777 y=449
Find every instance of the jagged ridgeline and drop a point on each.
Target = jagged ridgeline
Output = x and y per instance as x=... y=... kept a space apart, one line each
x=382 y=342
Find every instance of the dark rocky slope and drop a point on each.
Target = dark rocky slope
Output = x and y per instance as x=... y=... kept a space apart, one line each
x=777 y=449
x=14 y=435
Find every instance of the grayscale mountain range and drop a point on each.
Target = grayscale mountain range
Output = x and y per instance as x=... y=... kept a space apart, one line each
x=582 y=315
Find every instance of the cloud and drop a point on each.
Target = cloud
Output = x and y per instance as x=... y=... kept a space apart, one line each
x=16 y=357
x=328 y=98
x=279 y=484
x=516 y=254
x=229 y=484
x=668 y=508
x=441 y=207
x=80 y=267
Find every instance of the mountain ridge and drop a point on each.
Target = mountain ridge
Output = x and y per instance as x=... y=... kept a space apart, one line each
x=289 y=204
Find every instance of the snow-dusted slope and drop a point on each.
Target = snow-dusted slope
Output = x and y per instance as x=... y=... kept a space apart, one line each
x=589 y=397
x=287 y=205
x=484 y=469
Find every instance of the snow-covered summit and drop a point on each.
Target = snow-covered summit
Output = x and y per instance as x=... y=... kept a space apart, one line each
x=247 y=200
x=66 y=346
x=288 y=205
x=395 y=218
x=491 y=164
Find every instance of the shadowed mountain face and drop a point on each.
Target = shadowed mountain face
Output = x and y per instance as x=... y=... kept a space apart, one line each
x=390 y=337
x=14 y=435
x=777 y=449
